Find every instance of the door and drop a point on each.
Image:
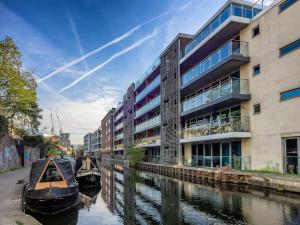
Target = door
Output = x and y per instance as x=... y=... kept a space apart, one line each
x=292 y=155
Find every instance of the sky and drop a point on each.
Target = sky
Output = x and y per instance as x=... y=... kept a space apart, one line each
x=84 y=54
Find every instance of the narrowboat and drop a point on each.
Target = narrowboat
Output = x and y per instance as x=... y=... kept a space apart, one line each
x=52 y=188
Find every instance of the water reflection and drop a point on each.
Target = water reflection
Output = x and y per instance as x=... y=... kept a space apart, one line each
x=134 y=197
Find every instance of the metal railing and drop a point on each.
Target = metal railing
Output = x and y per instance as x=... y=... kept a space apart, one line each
x=233 y=85
x=147 y=107
x=152 y=158
x=223 y=125
x=119 y=137
x=119 y=147
x=119 y=126
x=155 y=121
x=232 y=47
x=147 y=141
x=233 y=9
x=148 y=89
x=233 y=162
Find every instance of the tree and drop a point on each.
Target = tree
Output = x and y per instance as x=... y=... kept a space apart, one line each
x=18 y=96
x=135 y=155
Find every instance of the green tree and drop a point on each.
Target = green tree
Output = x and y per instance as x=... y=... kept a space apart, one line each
x=135 y=155
x=18 y=96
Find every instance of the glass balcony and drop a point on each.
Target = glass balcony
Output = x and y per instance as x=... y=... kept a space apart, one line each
x=119 y=126
x=155 y=121
x=148 y=89
x=119 y=116
x=147 y=107
x=119 y=137
x=218 y=126
x=230 y=48
x=147 y=72
x=231 y=86
x=232 y=9
x=148 y=141
x=119 y=147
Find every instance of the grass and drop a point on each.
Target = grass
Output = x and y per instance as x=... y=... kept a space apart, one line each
x=19 y=223
x=271 y=172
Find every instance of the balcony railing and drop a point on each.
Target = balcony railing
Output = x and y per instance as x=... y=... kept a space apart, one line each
x=147 y=72
x=119 y=116
x=155 y=121
x=119 y=137
x=147 y=107
x=148 y=141
x=231 y=86
x=218 y=126
x=148 y=89
x=233 y=9
x=151 y=158
x=230 y=48
x=119 y=126
x=119 y=147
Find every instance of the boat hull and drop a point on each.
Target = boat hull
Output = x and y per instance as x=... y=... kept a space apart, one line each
x=51 y=201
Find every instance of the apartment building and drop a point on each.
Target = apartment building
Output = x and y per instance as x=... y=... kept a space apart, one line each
x=96 y=140
x=107 y=134
x=228 y=95
x=87 y=143
x=147 y=111
x=118 y=125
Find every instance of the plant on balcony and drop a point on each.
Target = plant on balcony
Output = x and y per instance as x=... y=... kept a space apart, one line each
x=135 y=155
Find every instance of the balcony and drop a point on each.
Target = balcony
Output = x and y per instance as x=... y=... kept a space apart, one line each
x=119 y=137
x=119 y=147
x=119 y=116
x=222 y=128
x=119 y=126
x=151 y=123
x=147 y=107
x=226 y=93
x=155 y=83
x=148 y=142
x=224 y=60
x=227 y=22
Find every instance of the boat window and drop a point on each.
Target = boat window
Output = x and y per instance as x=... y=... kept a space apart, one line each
x=51 y=173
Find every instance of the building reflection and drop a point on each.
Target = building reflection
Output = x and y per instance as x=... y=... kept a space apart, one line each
x=144 y=198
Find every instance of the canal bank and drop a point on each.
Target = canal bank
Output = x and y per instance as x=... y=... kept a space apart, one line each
x=10 y=199
x=285 y=183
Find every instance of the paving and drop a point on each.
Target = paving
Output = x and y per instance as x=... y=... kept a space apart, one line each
x=10 y=198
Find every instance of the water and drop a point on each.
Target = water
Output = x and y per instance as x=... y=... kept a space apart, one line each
x=134 y=197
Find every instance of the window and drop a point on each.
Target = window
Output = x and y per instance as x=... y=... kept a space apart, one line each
x=256 y=109
x=289 y=48
x=255 y=31
x=290 y=94
x=283 y=6
x=256 y=70
x=51 y=174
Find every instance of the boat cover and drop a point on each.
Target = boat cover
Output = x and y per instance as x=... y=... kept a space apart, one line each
x=64 y=166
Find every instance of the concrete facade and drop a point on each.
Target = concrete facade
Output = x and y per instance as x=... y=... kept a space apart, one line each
x=107 y=134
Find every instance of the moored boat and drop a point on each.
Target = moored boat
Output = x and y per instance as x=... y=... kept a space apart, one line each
x=52 y=187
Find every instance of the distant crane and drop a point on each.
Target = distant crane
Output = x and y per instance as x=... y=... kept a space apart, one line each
x=52 y=125
x=59 y=122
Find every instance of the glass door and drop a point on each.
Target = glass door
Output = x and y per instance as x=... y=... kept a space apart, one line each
x=292 y=161
x=225 y=154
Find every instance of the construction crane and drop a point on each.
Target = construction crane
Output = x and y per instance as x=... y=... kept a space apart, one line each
x=59 y=122
x=52 y=125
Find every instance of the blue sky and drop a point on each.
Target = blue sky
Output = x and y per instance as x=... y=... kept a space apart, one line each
x=52 y=33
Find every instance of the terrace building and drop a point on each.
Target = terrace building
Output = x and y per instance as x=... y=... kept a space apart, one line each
x=118 y=125
x=107 y=134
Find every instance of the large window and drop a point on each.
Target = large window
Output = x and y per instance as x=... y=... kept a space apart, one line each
x=283 y=6
x=290 y=94
x=289 y=48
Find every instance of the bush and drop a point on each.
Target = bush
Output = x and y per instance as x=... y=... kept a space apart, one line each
x=135 y=155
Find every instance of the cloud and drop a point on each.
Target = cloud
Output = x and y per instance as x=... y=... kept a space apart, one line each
x=114 y=56
x=77 y=38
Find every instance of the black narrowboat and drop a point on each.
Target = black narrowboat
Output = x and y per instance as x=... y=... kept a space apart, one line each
x=52 y=188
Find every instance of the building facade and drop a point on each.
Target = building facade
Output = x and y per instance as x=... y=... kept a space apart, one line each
x=87 y=144
x=227 y=96
x=107 y=141
x=118 y=125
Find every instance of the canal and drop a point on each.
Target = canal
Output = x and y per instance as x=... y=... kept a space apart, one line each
x=130 y=197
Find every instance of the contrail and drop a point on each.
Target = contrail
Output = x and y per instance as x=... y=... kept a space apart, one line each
x=115 y=41
x=114 y=56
